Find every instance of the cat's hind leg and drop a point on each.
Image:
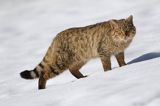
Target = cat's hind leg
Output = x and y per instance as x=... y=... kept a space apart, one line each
x=46 y=75
x=42 y=80
x=74 y=69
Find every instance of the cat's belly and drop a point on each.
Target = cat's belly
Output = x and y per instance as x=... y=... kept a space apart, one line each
x=89 y=53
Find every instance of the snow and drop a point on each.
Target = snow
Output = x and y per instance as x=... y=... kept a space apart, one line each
x=27 y=28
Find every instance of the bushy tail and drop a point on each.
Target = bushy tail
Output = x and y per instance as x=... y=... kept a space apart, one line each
x=32 y=74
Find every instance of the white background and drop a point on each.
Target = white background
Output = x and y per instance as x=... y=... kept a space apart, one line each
x=27 y=28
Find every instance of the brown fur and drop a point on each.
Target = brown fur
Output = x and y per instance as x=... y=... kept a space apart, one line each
x=72 y=48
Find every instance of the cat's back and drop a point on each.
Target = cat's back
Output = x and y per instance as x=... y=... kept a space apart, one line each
x=83 y=31
x=89 y=35
x=82 y=40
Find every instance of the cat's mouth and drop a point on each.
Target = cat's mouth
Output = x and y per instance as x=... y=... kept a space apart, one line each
x=123 y=39
x=128 y=38
x=120 y=39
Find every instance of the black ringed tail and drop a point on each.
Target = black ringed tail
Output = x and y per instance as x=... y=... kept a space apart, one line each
x=32 y=74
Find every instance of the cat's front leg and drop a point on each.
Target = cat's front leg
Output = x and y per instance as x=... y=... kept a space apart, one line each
x=120 y=59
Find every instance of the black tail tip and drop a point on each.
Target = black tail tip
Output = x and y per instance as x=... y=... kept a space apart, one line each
x=26 y=74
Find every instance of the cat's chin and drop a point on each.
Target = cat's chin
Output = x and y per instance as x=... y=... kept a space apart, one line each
x=122 y=40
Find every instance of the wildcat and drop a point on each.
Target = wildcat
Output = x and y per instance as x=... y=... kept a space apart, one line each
x=73 y=47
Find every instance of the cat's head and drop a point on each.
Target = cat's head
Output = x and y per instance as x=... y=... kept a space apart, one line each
x=123 y=29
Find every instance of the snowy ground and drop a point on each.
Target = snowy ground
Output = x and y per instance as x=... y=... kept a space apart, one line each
x=27 y=28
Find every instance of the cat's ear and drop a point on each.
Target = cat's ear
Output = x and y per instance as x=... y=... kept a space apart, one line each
x=130 y=19
x=114 y=24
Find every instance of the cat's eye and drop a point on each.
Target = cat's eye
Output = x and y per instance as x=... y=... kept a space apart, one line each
x=130 y=24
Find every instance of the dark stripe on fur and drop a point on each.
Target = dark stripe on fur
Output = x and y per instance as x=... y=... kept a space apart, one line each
x=53 y=70
x=41 y=65
x=35 y=71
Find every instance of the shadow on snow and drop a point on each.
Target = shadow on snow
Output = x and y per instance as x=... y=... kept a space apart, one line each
x=145 y=57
